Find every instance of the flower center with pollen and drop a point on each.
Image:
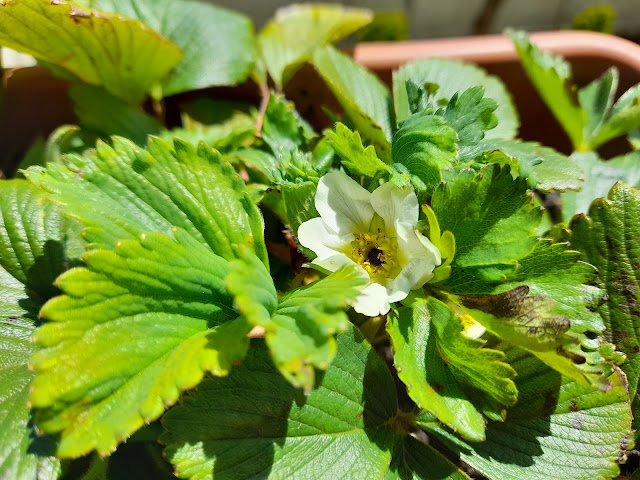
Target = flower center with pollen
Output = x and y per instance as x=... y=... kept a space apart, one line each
x=376 y=253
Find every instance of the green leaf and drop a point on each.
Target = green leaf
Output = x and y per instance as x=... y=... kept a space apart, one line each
x=429 y=382
x=31 y=256
x=425 y=145
x=551 y=76
x=533 y=323
x=363 y=96
x=600 y=177
x=297 y=31
x=481 y=368
x=608 y=237
x=544 y=168
x=99 y=111
x=135 y=327
x=412 y=459
x=90 y=43
x=492 y=218
x=283 y=129
x=121 y=191
x=253 y=423
x=470 y=114
x=452 y=76
x=558 y=429
x=300 y=331
x=218 y=44
x=299 y=203
x=358 y=159
x=596 y=100
x=625 y=117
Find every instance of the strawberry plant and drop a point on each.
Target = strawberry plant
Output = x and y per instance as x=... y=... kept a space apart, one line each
x=248 y=295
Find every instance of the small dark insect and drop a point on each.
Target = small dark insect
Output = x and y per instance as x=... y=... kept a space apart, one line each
x=374 y=256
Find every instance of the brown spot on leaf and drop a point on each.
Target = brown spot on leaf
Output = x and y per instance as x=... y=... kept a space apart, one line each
x=573 y=406
x=438 y=387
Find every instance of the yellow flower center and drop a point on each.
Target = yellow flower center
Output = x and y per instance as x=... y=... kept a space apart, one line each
x=376 y=253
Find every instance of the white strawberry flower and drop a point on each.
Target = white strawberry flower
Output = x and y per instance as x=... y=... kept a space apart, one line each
x=377 y=233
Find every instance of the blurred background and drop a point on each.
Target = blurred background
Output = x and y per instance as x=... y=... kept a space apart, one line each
x=402 y=19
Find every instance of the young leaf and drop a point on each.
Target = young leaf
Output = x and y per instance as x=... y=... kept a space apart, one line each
x=88 y=43
x=300 y=330
x=292 y=36
x=425 y=145
x=470 y=114
x=121 y=191
x=453 y=77
x=492 y=218
x=99 y=111
x=31 y=256
x=358 y=159
x=363 y=96
x=253 y=423
x=481 y=368
x=600 y=176
x=283 y=130
x=544 y=168
x=218 y=44
x=625 y=116
x=551 y=76
x=135 y=327
x=608 y=237
x=558 y=429
x=429 y=382
x=596 y=100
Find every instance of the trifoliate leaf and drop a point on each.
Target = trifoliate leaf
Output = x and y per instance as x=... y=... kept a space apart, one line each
x=470 y=114
x=292 y=36
x=121 y=191
x=218 y=44
x=625 y=117
x=31 y=256
x=412 y=459
x=429 y=382
x=531 y=322
x=135 y=327
x=358 y=159
x=363 y=96
x=492 y=218
x=470 y=363
x=425 y=145
x=600 y=177
x=551 y=76
x=254 y=423
x=544 y=168
x=99 y=111
x=596 y=99
x=453 y=77
x=89 y=44
x=558 y=429
x=608 y=237
x=300 y=332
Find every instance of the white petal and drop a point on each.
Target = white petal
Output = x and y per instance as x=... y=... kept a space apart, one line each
x=395 y=204
x=414 y=275
x=475 y=330
x=412 y=244
x=372 y=301
x=343 y=204
x=322 y=241
x=334 y=263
